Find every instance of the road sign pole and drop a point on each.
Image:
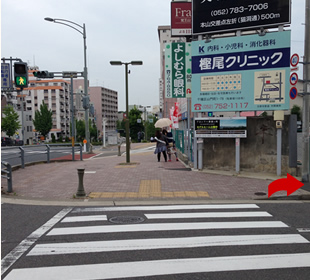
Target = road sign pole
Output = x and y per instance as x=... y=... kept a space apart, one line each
x=72 y=117
x=306 y=103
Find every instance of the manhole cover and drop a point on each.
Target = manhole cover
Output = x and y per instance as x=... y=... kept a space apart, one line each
x=126 y=220
x=260 y=193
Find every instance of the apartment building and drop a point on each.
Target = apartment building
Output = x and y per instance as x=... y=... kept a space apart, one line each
x=106 y=106
x=105 y=102
x=55 y=93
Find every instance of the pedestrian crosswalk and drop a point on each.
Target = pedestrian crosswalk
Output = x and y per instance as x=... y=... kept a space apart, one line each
x=173 y=240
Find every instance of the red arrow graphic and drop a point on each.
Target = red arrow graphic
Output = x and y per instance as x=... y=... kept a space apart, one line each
x=289 y=184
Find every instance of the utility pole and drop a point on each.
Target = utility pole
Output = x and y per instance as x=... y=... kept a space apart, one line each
x=306 y=104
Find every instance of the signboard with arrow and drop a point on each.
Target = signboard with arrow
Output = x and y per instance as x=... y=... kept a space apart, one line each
x=289 y=184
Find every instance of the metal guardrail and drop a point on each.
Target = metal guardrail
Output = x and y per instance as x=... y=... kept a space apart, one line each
x=22 y=151
x=8 y=171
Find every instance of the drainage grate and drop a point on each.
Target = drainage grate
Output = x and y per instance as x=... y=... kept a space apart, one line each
x=126 y=220
x=179 y=169
x=260 y=193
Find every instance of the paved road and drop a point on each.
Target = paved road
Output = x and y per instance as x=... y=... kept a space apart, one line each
x=34 y=153
x=205 y=241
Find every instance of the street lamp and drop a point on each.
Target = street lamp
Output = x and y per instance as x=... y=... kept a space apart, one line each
x=83 y=32
x=117 y=63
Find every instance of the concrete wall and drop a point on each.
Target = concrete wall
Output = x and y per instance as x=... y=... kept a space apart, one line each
x=258 y=152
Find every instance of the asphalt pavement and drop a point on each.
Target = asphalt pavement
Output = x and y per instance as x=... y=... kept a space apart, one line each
x=107 y=177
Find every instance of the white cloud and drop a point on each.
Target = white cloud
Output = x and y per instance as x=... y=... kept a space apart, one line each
x=116 y=30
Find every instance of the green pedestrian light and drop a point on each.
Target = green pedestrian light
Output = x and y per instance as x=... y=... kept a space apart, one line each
x=21 y=74
x=20 y=81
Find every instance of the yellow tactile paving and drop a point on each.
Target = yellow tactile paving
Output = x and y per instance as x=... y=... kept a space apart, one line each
x=119 y=194
x=203 y=194
x=143 y=195
x=106 y=195
x=146 y=194
x=150 y=189
x=131 y=194
x=167 y=194
x=150 y=186
x=155 y=194
x=125 y=166
x=191 y=194
x=94 y=195
x=179 y=194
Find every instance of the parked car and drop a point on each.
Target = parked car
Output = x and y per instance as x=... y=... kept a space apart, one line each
x=6 y=141
x=18 y=142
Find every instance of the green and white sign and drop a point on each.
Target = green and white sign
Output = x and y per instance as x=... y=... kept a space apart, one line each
x=245 y=73
x=177 y=70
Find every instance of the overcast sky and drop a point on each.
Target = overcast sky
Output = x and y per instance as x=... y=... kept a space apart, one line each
x=123 y=30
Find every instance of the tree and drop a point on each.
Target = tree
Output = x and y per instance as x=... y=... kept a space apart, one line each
x=10 y=123
x=120 y=125
x=92 y=130
x=150 y=128
x=42 y=121
x=80 y=130
x=296 y=110
x=135 y=127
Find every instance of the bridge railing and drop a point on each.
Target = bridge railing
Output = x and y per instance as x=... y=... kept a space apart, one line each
x=26 y=152
x=6 y=172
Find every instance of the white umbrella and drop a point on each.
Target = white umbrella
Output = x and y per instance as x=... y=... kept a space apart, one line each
x=163 y=123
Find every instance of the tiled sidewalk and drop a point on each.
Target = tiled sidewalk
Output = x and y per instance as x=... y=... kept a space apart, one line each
x=109 y=178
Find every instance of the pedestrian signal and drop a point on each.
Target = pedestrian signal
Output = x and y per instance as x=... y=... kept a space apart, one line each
x=21 y=74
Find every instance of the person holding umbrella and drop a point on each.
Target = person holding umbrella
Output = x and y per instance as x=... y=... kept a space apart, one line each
x=164 y=122
x=161 y=145
x=171 y=149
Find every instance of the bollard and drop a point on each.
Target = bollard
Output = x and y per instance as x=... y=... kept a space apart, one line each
x=119 y=150
x=10 y=184
x=80 y=191
x=22 y=157
x=48 y=150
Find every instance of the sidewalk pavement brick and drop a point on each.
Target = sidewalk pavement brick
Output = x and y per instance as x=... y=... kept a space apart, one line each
x=111 y=179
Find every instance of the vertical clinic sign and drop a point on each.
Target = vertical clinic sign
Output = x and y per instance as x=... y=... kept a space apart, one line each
x=247 y=73
x=181 y=19
x=177 y=70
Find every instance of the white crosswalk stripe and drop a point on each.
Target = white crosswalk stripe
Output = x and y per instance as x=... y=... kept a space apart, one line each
x=164 y=243
x=88 y=231
x=163 y=227
x=166 y=207
x=162 y=267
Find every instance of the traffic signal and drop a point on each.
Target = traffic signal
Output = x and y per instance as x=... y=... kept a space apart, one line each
x=92 y=110
x=21 y=74
x=85 y=102
x=43 y=74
